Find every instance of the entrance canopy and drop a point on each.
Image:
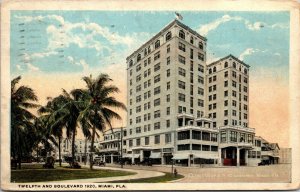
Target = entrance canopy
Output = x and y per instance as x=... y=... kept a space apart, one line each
x=180 y=156
x=155 y=155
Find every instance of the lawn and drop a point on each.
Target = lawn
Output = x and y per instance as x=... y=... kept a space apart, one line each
x=36 y=173
x=161 y=179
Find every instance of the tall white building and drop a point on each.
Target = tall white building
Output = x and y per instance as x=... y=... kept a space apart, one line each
x=180 y=108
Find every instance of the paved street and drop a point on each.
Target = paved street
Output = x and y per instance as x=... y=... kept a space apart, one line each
x=260 y=174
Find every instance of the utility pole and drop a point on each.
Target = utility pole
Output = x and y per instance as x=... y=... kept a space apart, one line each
x=121 y=146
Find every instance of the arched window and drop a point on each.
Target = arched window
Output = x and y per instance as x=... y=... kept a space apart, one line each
x=226 y=64
x=192 y=40
x=234 y=65
x=168 y=36
x=214 y=69
x=139 y=57
x=209 y=71
x=130 y=63
x=181 y=34
x=157 y=44
x=245 y=71
x=200 y=45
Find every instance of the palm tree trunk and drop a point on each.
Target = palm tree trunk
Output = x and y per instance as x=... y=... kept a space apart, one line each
x=92 y=147
x=59 y=151
x=73 y=147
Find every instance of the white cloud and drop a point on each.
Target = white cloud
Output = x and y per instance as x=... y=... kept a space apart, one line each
x=253 y=26
x=32 y=68
x=81 y=63
x=247 y=52
x=40 y=18
x=205 y=29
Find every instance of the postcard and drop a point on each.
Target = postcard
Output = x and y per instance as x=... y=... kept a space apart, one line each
x=149 y=95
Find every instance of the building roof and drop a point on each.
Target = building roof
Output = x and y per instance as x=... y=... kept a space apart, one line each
x=175 y=21
x=222 y=59
x=114 y=129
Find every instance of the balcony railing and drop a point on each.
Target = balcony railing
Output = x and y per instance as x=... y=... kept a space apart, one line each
x=240 y=128
x=187 y=127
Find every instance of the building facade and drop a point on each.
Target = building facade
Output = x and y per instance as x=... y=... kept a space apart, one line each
x=181 y=108
x=285 y=155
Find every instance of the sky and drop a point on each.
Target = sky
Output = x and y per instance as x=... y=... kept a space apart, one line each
x=55 y=49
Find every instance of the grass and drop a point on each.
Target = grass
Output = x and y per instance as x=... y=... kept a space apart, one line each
x=161 y=179
x=36 y=173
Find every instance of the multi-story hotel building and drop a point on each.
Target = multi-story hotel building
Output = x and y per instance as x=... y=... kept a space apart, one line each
x=180 y=108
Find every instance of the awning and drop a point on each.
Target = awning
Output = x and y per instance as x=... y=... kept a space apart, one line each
x=205 y=156
x=127 y=155
x=136 y=155
x=179 y=156
x=265 y=157
x=155 y=156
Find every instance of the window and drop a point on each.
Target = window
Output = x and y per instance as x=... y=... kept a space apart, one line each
x=181 y=109
x=192 y=40
x=233 y=83
x=223 y=136
x=200 y=103
x=181 y=59
x=183 y=147
x=234 y=65
x=168 y=85
x=130 y=63
x=181 y=72
x=233 y=112
x=245 y=89
x=168 y=36
x=139 y=57
x=168 y=60
x=168 y=98
x=138 y=78
x=225 y=83
x=226 y=74
x=201 y=56
x=138 y=88
x=234 y=93
x=181 y=46
x=168 y=138
x=168 y=49
x=181 y=34
x=157 y=79
x=156 y=90
x=200 y=68
x=130 y=143
x=145 y=63
x=156 y=55
x=214 y=137
x=183 y=135
x=138 y=119
x=234 y=103
x=156 y=125
x=214 y=78
x=145 y=52
x=214 y=148
x=149 y=60
x=234 y=74
x=157 y=114
x=200 y=80
x=245 y=80
x=196 y=147
x=146 y=140
x=149 y=50
x=205 y=147
x=157 y=44
x=156 y=139
x=226 y=64
x=200 y=45
x=181 y=84
x=245 y=98
x=168 y=110
x=245 y=116
x=138 y=109
x=156 y=67
x=138 y=129
x=138 y=67
x=200 y=91
x=225 y=112
x=168 y=72
x=196 y=135
x=168 y=123
x=181 y=97
x=138 y=98
x=245 y=107
x=157 y=102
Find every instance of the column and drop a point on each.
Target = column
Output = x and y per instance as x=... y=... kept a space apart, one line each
x=111 y=158
x=183 y=121
x=246 y=157
x=104 y=159
x=141 y=155
x=132 y=157
x=237 y=157
x=189 y=161
x=80 y=158
x=220 y=157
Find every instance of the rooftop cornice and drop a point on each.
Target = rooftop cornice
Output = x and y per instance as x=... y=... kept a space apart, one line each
x=175 y=21
x=222 y=59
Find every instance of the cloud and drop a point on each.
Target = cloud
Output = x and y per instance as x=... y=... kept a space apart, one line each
x=247 y=52
x=40 y=18
x=205 y=29
x=81 y=63
x=19 y=67
x=32 y=68
x=253 y=26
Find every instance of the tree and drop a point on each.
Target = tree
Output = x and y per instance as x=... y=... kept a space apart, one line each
x=22 y=120
x=98 y=102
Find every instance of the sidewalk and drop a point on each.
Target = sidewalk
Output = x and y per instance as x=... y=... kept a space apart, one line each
x=140 y=174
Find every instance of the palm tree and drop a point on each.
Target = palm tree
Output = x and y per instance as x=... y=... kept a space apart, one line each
x=98 y=102
x=22 y=120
